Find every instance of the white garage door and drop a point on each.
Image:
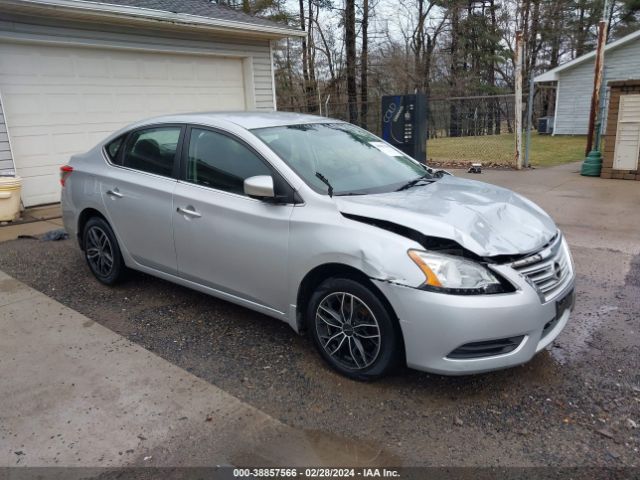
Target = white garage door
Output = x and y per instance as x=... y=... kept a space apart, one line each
x=61 y=100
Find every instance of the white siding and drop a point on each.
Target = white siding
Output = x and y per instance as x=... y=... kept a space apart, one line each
x=575 y=87
x=6 y=163
x=67 y=86
x=257 y=51
x=62 y=100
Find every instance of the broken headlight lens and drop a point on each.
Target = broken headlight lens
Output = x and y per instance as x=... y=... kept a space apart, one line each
x=457 y=275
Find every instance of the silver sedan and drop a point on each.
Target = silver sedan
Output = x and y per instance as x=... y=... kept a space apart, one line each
x=318 y=223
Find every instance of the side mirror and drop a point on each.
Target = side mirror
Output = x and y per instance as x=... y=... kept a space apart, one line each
x=260 y=186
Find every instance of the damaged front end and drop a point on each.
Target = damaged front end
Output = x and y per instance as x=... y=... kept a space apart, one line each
x=466 y=230
x=448 y=267
x=473 y=219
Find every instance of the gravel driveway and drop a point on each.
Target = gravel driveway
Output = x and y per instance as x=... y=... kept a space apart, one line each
x=577 y=403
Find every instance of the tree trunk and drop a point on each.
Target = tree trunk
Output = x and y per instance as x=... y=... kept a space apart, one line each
x=581 y=34
x=454 y=113
x=350 y=44
x=305 y=60
x=417 y=44
x=364 y=64
x=312 y=86
x=426 y=65
x=289 y=75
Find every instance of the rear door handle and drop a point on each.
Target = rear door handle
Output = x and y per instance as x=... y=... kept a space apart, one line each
x=114 y=193
x=189 y=211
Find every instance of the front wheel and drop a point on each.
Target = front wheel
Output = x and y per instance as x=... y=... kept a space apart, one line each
x=102 y=252
x=352 y=329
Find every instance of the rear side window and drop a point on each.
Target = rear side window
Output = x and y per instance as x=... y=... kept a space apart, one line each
x=113 y=148
x=218 y=161
x=152 y=150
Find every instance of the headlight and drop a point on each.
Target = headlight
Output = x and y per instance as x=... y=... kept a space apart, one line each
x=567 y=252
x=451 y=274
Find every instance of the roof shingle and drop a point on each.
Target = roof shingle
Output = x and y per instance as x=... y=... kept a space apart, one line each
x=200 y=8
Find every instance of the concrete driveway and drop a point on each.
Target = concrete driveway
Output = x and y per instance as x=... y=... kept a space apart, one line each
x=592 y=212
x=74 y=393
x=575 y=404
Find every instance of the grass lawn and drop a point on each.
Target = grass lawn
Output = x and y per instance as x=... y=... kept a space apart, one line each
x=545 y=149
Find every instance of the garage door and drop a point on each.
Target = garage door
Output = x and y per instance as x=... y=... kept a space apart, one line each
x=59 y=101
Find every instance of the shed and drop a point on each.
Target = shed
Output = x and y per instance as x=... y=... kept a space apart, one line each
x=74 y=71
x=574 y=82
x=622 y=137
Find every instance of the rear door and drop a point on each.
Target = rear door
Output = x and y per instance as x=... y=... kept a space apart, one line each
x=138 y=193
x=227 y=240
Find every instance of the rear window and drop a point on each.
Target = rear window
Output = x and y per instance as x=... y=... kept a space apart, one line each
x=113 y=148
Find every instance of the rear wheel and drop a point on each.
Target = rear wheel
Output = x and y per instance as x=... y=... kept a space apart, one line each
x=352 y=329
x=102 y=252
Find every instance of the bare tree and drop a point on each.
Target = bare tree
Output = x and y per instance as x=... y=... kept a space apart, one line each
x=350 y=43
x=364 y=66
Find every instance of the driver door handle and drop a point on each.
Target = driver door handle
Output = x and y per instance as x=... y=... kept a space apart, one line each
x=189 y=211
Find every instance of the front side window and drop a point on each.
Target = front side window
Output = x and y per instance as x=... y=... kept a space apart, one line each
x=152 y=150
x=218 y=161
x=353 y=160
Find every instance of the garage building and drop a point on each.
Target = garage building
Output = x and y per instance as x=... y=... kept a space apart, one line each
x=74 y=71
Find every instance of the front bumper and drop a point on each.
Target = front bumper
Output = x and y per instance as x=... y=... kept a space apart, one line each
x=435 y=324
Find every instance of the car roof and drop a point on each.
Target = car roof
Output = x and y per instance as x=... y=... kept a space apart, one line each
x=248 y=120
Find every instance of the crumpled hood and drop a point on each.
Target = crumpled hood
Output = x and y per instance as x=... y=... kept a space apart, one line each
x=483 y=218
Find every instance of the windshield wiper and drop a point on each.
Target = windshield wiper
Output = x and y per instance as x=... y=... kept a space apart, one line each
x=349 y=194
x=415 y=181
x=324 y=180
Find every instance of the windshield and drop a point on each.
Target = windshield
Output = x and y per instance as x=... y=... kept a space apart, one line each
x=352 y=160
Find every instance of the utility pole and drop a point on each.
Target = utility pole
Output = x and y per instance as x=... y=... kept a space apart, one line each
x=597 y=83
x=518 y=97
x=593 y=163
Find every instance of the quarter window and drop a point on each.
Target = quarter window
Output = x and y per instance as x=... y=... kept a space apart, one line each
x=113 y=148
x=218 y=161
x=152 y=150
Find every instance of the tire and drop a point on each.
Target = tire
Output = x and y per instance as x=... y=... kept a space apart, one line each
x=101 y=251
x=361 y=355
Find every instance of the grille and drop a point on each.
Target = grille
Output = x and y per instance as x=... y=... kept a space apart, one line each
x=489 y=348
x=549 y=270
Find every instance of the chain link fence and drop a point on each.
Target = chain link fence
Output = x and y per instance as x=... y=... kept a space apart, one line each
x=465 y=130
x=460 y=130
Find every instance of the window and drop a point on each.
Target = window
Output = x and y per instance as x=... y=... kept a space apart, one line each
x=152 y=150
x=218 y=161
x=113 y=148
x=353 y=160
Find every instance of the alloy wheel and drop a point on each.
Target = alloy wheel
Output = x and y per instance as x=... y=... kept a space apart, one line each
x=99 y=251
x=348 y=330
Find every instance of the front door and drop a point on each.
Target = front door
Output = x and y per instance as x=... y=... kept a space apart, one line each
x=138 y=194
x=224 y=239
